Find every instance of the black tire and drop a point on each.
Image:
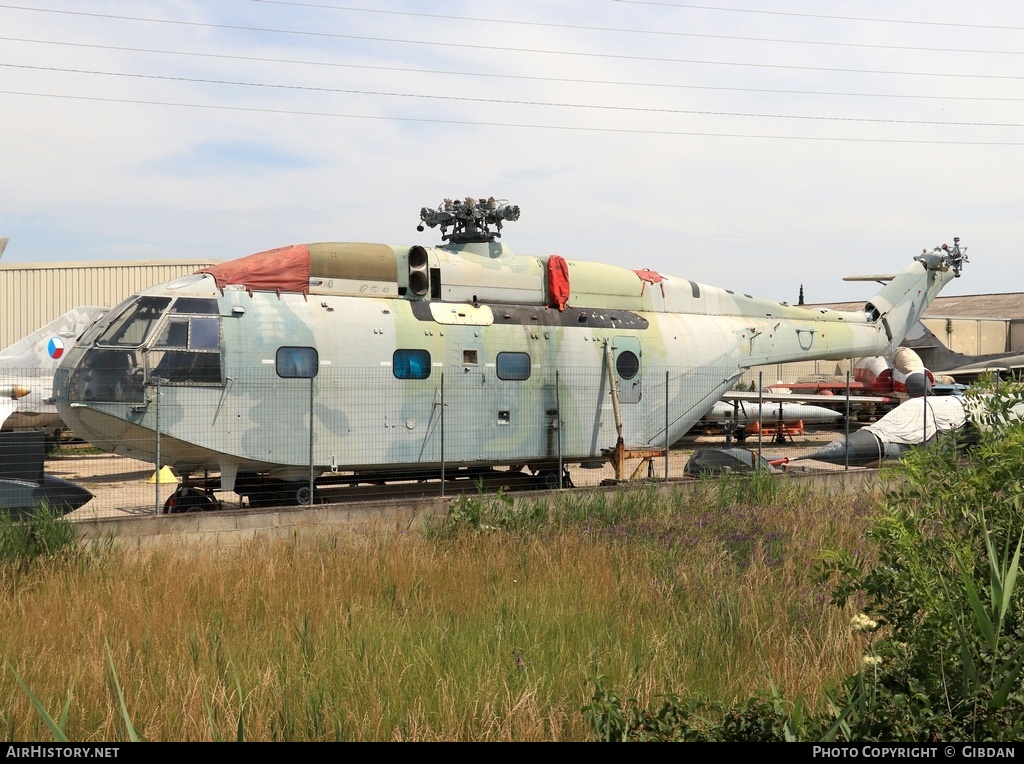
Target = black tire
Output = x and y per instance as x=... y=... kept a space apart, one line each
x=188 y=499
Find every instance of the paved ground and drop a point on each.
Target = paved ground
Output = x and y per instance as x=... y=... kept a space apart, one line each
x=123 y=486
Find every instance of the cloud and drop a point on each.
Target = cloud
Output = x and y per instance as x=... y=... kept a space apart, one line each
x=758 y=151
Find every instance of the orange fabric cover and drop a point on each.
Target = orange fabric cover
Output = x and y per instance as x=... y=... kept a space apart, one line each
x=285 y=269
x=651 y=277
x=558 y=282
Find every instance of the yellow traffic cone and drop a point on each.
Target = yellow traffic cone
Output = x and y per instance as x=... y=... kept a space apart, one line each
x=163 y=476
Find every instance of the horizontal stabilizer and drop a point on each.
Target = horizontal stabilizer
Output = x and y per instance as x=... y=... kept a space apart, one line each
x=879 y=277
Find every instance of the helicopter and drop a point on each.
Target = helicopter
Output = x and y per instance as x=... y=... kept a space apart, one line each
x=363 y=361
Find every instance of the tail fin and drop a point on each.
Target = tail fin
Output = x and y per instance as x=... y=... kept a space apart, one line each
x=900 y=303
x=44 y=348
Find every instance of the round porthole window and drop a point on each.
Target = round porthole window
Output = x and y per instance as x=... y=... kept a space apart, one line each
x=627 y=364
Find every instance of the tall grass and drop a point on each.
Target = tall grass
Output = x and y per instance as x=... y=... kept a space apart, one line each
x=491 y=624
x=39 y=532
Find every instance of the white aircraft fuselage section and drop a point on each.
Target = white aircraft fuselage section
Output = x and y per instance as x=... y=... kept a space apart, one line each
x=27 y=368
x=536 y=358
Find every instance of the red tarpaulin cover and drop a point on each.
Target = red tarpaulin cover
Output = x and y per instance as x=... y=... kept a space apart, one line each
x=558 y=281
x=285 y=269
x=651 y=277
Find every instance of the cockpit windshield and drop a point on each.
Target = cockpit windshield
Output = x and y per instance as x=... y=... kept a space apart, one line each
x=131 y=327
x=150 y=340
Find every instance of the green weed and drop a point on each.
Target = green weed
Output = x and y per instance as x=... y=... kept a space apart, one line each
x=43 y=532
x=943 y=646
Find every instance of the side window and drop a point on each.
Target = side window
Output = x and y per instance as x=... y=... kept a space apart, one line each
x=187 y=351
x=204 y=334
x=513 y=366
x=297 y=363
x=627 y=364
x=193 y=333
x=411 y=364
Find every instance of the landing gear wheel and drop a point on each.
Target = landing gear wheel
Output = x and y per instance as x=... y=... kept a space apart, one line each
x=189 y=499
x=549 y=479
x=305 y=497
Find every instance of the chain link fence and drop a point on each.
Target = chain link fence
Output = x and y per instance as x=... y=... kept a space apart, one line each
x=338 y=433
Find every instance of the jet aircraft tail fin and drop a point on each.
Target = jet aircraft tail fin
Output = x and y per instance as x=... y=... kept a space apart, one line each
x=27 y=366
x=44 y=348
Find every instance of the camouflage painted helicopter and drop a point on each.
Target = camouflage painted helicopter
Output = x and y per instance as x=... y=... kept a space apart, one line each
x=348 y=358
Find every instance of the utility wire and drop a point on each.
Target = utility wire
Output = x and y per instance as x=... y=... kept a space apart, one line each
x=526 y=77
x=474 y=123
x=622 y=30
x=510 y=102
x=509 y=49
x=822 y=16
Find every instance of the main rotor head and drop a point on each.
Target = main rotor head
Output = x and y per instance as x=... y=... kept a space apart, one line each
x=469 y=220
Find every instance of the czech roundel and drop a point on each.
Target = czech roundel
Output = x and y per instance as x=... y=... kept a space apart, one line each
x=55 y=347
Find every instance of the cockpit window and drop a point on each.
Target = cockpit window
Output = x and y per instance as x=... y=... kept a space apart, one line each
x=187 y=351
x=190 y=332
x=200 y=305
x=204 y=333
x=132 y=326
x=99 y=326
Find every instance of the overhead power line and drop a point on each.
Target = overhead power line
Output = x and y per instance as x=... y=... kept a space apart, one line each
x=512 y=102
x=625 y=30
x=478 y=123
x=822 y=15
x=508 y=49
x=503 y=76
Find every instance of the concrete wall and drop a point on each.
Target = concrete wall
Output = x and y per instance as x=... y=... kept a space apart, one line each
x=230 y=529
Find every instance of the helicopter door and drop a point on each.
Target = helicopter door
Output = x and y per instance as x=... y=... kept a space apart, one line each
x=465 y=393
x=628 y=373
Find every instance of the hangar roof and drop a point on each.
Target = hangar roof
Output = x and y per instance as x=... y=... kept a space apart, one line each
x=1006 y=306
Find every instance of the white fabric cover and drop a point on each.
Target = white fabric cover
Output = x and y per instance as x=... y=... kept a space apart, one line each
x=906 y=423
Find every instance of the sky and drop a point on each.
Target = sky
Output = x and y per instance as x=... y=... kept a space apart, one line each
x=757 y=146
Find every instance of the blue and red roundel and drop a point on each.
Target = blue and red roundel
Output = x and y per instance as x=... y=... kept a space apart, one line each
x=55 y=347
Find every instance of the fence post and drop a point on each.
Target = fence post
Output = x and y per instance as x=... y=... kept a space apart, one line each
x=667 y=444
x=442 y=434
x=924 y=417
x=558 y=427
x=311 y=481
x=846 y=446
x=156 y=488
x=760 y=410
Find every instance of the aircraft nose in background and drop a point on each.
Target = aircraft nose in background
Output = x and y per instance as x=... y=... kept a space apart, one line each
x=917 y=384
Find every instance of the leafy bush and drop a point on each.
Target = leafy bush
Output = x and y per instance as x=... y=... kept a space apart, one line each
x=944 y=644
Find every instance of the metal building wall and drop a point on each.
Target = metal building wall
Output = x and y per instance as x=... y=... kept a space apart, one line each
x=1017 y=336
x=972 y=336
x=32 y=295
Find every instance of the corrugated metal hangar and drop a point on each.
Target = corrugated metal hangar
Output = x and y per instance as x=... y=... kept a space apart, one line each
x=977 y=324
x=33 y=294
